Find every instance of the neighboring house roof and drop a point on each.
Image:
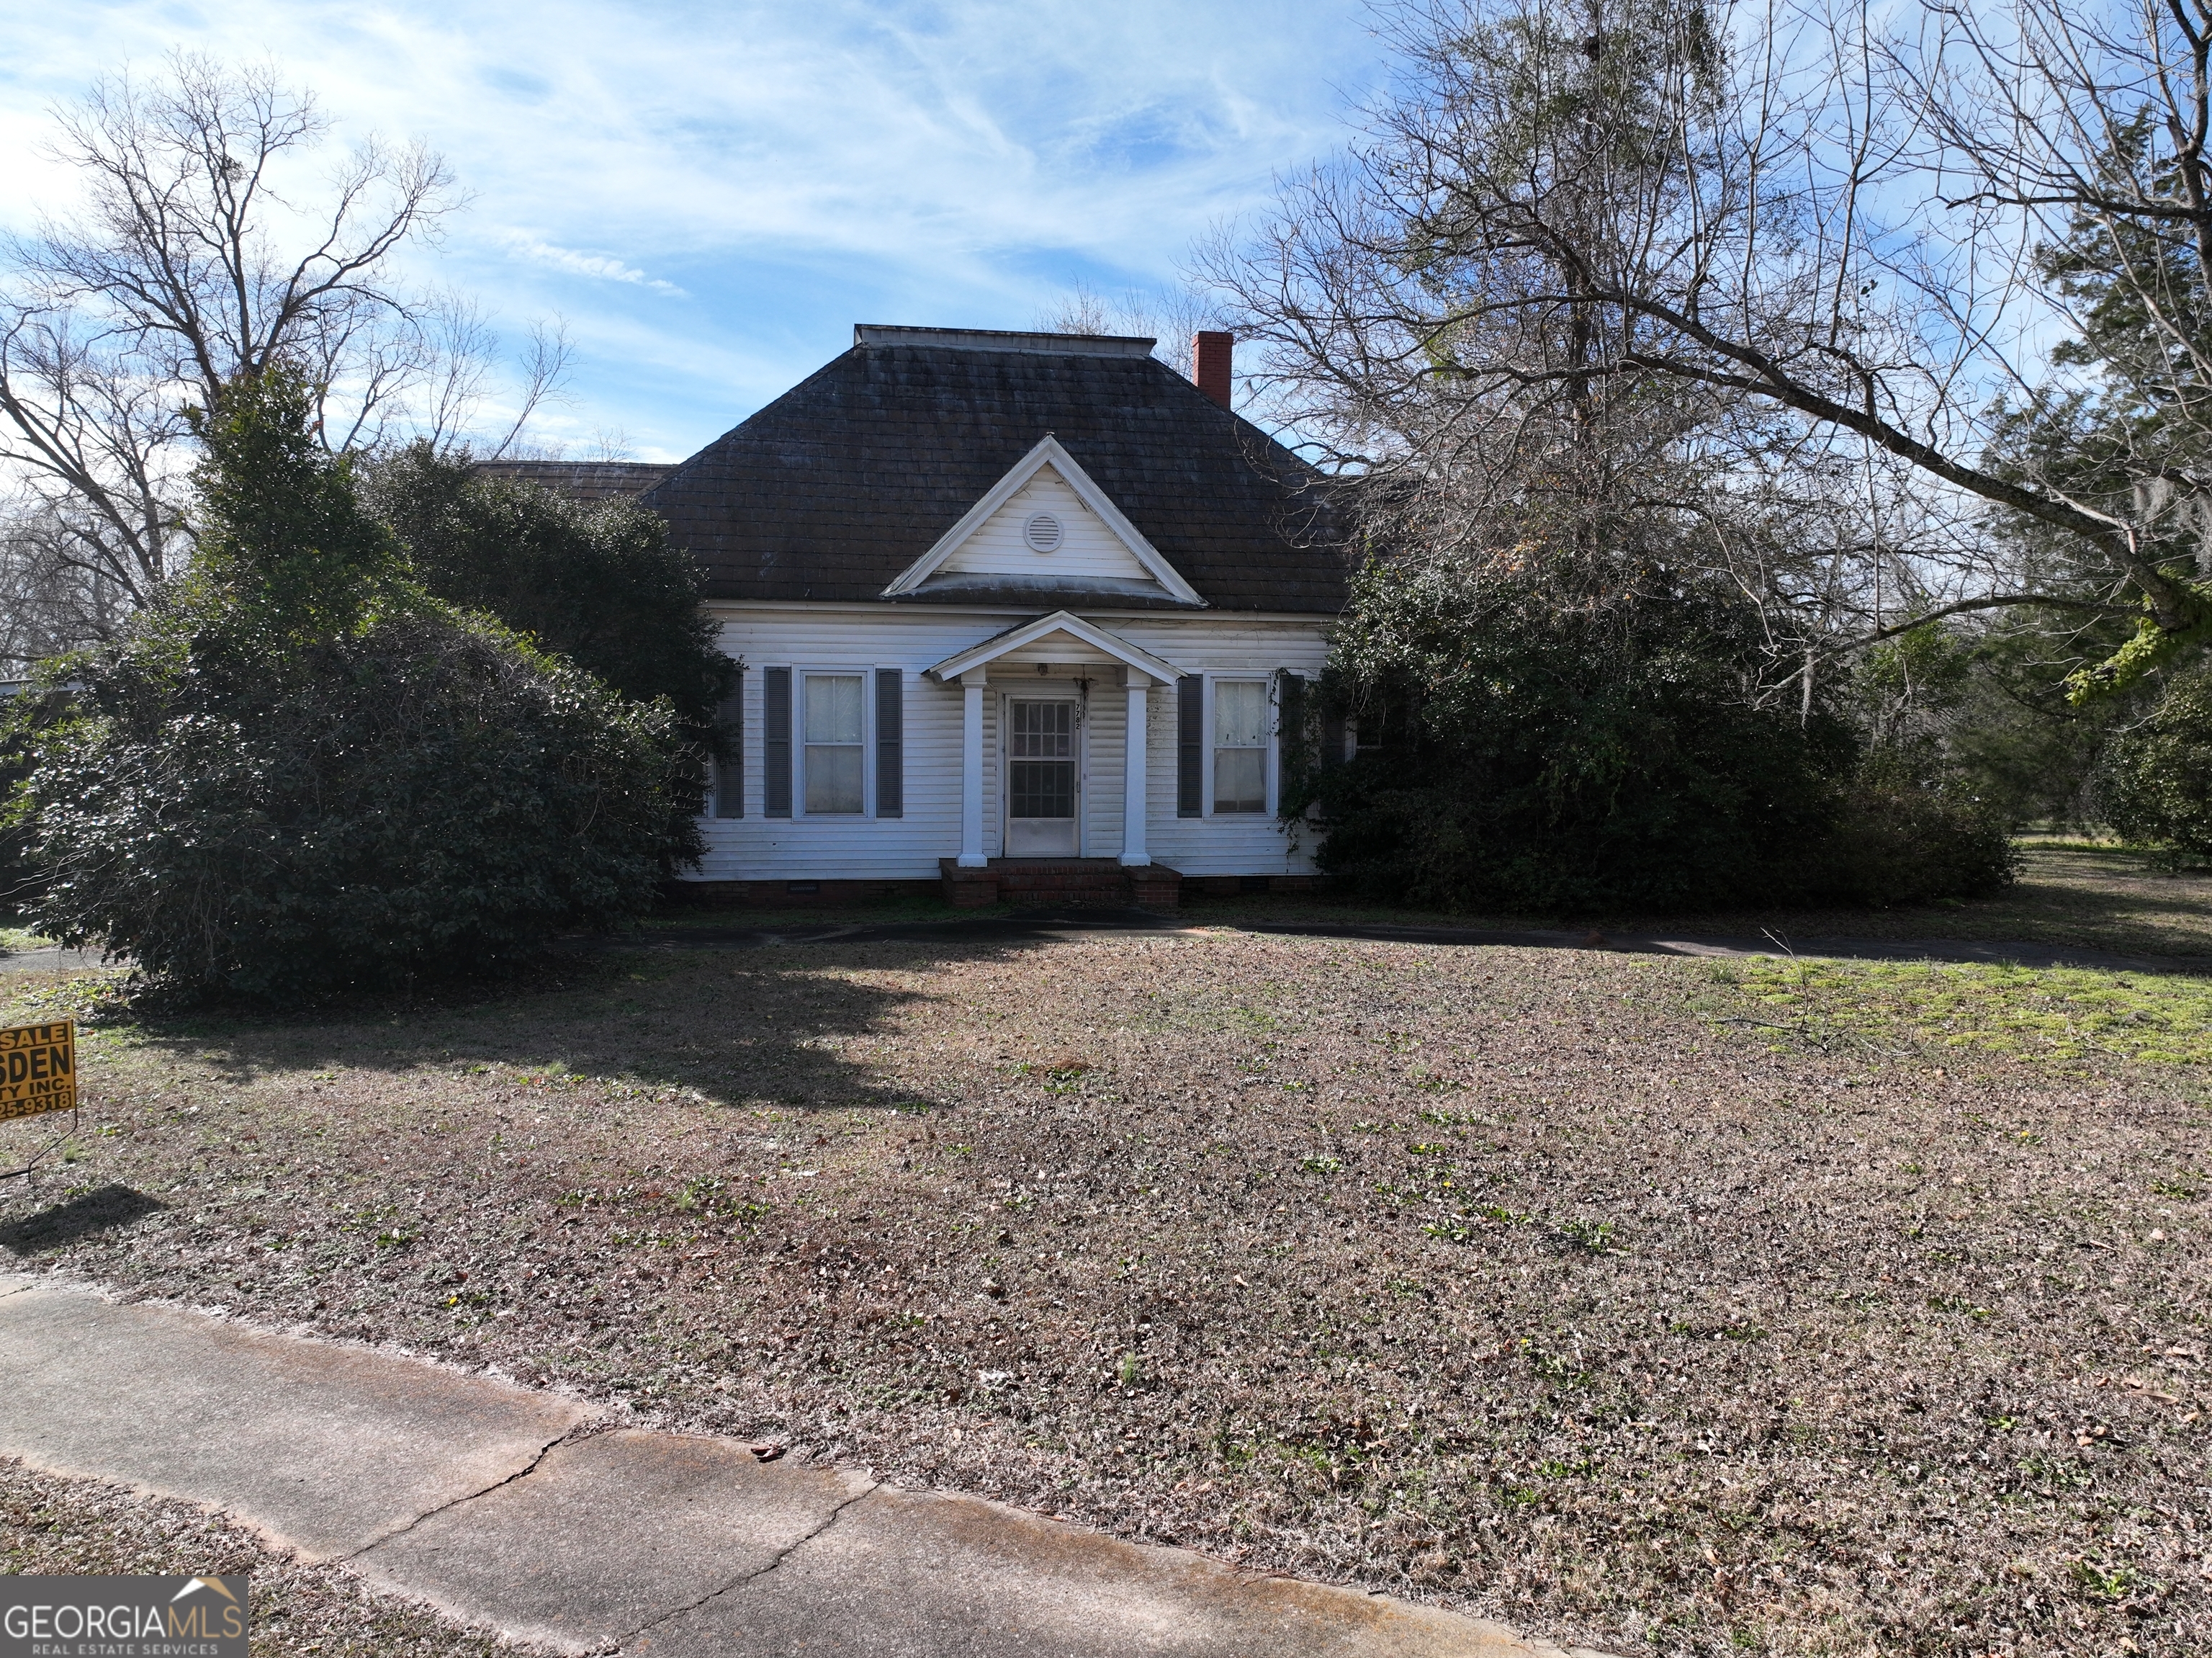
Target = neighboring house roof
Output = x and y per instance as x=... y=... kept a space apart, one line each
x=836 y=490
x=588 y=481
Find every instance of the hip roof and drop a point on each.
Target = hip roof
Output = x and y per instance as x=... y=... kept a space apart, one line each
x=832 y=490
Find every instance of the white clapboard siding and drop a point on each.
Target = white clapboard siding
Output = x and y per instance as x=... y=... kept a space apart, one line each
x=1239 y=843
x=1087 y=548
x=1105 y=720
x=913 y=637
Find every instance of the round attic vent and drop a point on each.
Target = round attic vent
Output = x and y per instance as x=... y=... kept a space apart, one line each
x=1042 y=533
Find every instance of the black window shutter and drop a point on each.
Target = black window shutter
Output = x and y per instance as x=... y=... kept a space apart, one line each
x=775 y=742
x=890 y=743
x=1332 y=740
x=1291 y=757
x=1190 y=746
x=730 y=763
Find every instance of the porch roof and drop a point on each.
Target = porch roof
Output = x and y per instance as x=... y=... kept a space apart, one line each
x=981 y=655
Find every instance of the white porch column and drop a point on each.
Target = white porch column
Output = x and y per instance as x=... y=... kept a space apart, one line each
x=971 y=771
x=1132 y=780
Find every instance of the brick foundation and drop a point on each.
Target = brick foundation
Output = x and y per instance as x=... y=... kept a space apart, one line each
x=1056 y=883
x=1042 y=883
x=791 y=894
x=1232 y=886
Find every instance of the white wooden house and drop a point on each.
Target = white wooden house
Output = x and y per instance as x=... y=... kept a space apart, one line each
x=1017 y=614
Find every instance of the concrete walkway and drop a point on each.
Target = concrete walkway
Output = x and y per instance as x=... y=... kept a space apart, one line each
x=528 y=1513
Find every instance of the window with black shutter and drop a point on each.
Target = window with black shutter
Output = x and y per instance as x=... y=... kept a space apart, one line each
x=1292 y=759
x=890 y=743
x=1190 y=746
x=730 y=762
x=775 y=742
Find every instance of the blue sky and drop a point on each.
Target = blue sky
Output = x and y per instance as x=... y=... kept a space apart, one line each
x=712 y=195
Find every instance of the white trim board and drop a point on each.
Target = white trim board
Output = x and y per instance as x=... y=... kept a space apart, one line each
x=1313 y=618
x=1046 y=453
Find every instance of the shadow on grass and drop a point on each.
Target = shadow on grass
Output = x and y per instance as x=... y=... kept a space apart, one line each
x=102 y=1210
x=778 y=1025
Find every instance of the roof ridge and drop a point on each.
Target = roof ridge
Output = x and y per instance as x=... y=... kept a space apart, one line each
x=1004 y=340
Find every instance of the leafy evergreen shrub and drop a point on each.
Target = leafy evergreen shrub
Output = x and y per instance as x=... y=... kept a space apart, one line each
x=2155 y=785
x=1541 y=734
x=301 y=772
x=1896 y=841
x=599 y=584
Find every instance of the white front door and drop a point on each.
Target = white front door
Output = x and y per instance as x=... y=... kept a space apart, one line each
x=1042 y=787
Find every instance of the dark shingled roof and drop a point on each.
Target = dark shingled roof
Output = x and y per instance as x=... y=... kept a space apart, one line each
x=834 y=489
x=588 y=481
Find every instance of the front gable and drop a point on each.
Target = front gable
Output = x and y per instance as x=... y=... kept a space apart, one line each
x=1044 y=528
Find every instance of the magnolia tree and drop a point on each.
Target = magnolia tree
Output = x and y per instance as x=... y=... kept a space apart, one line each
x=298 y=772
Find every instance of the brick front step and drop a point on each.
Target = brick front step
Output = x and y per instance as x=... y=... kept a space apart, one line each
x=1060 y=881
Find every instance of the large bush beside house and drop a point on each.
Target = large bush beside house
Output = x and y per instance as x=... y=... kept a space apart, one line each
x=1898 y=841
x=301 y=772
x=597 y=583
x=1540 y=734
x=2155 y=786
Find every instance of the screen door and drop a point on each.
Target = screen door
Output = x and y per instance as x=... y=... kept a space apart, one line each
x=1040 y=778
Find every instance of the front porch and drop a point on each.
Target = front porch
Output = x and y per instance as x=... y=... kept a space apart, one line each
x=1077 y=646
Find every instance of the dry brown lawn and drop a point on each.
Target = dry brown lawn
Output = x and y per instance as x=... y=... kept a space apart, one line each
x=1523 y=1280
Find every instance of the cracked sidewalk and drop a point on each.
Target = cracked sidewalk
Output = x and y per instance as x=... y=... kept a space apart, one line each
x=531 y=1513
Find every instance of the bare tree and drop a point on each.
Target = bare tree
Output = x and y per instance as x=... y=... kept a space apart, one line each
x=49 y=603
x=1170 y=318
x=205 y=245
x=1720 y=256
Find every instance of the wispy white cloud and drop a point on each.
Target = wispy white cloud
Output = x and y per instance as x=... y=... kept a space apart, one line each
x=603 y=267
x=789 y=169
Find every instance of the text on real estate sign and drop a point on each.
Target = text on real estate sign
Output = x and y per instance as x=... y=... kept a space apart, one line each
x=38 y=1068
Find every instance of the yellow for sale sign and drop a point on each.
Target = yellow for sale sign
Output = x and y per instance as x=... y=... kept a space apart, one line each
x=38 y=1068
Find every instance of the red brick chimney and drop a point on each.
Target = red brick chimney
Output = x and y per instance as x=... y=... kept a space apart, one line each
x=1210 y=354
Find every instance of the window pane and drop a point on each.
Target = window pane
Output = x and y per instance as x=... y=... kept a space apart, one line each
x=1240 y=779
x=1042 y=730
x=833 y=709
x=833 y=775
x=1240 y=713
x=1040 y=789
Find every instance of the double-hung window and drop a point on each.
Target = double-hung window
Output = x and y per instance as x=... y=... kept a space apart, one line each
x=1240 y=746
x=834 y=748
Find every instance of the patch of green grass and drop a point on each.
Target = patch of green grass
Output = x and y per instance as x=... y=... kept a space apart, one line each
x=1597 y=1236
x=1060 y=1076
x=13 y=939
x=2059 y=1016
x=2097 y=1580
